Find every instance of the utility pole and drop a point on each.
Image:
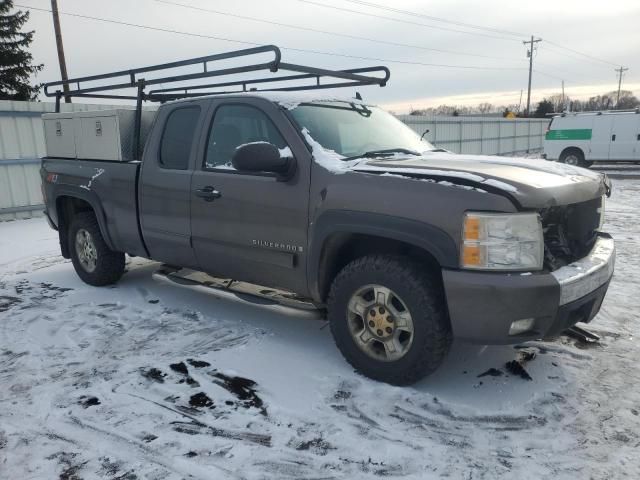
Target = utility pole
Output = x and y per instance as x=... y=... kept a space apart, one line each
x=563 y=95
x=520 y=101
x=530 y=51
x=61 y=60
x=620 y=71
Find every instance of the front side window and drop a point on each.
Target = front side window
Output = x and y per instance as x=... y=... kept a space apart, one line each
x=235 y=125
x=177 y=138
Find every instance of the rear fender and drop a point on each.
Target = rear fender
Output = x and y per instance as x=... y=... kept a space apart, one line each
x=91 y=198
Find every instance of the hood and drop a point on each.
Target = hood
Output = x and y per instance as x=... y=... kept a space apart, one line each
x=530 y=183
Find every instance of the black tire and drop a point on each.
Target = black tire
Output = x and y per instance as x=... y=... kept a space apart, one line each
x=571 y=155
x=423 y=296
x=109 y=265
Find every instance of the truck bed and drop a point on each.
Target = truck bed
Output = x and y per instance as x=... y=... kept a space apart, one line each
x=110 y=187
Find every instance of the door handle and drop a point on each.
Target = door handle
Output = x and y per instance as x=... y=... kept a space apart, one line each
x=208 y=193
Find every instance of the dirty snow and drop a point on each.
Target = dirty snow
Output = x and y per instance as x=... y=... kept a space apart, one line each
x=143 y=380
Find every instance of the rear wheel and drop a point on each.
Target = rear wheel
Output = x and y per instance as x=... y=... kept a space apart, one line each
x=574 y=157
x=94 y=262
x=388 y=318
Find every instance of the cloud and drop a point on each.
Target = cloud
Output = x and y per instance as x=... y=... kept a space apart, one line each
x=606 y=32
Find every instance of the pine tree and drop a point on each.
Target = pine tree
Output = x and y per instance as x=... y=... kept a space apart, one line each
x=16 y=65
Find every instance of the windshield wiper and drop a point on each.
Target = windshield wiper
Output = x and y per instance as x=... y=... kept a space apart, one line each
x=382 y=153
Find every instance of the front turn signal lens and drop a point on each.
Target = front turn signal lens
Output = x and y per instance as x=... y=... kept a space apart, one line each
x=471 y=255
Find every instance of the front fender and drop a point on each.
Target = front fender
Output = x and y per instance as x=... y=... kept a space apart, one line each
x=427 y=237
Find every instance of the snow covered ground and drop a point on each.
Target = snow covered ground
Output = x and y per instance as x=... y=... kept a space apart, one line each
x=149 y=381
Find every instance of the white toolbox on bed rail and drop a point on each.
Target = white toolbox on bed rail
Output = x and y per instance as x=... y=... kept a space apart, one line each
x=95 y=135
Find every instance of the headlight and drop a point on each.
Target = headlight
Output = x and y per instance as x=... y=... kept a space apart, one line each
x=499 y=241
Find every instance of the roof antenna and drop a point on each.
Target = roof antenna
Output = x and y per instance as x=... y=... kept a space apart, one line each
x=358 y=96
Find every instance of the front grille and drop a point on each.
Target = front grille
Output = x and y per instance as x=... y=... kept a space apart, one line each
x=570 y=232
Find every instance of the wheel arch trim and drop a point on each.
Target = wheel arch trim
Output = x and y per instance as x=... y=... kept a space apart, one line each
x=433 y=240
x=94 y=202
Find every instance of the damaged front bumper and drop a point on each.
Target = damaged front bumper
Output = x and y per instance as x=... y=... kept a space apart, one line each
x=483 y=306
x=587 y=274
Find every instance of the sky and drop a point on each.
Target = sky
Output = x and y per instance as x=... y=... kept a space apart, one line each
x=442 y=51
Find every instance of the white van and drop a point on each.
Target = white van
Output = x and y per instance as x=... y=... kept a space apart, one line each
x=584 y=138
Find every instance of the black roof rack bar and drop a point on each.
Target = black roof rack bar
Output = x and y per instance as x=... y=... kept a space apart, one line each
x=77 y=89
x=109 y=97
x=167 y=97
x=176 y=78
x=245 y=83
x=344 y=74
x=132 y=73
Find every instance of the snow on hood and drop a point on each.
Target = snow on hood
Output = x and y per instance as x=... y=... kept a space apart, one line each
x=535 y=173
x=532 y=183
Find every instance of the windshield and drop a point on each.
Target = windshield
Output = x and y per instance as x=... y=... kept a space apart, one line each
x=354 y=130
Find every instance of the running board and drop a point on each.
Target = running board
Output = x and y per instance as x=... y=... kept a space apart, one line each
x=236 y=290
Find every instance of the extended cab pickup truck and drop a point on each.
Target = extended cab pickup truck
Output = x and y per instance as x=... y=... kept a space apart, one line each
x=406 y=246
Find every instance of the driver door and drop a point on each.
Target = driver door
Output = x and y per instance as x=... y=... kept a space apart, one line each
x=251 y=227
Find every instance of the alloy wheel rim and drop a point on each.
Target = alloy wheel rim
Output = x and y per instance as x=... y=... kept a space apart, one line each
x=571 y=160
x=380 y=323
x=86 y=250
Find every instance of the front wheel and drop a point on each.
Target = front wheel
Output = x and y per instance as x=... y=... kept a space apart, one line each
x=388 y=317
x=94 y=262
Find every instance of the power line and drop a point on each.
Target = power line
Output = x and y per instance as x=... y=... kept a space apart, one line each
x=325 y=32
x=436 y=19
x=581 y=54
x=408 y=22
x=557 y=51
x=417 y=14
x=566 y=75
x=244 y=42
x=550 y=75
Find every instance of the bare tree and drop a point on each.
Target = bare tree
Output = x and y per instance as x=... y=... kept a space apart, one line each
x=627 y=100
x=485 y=108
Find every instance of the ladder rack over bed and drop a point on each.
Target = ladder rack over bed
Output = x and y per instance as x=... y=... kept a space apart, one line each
x=95 y=86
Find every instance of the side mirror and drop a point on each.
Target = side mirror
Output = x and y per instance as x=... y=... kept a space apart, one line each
x=262 y=157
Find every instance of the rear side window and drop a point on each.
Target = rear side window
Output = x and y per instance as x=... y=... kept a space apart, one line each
x=235 y=125
x=177 y=138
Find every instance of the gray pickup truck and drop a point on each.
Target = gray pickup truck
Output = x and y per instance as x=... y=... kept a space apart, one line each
x=405 y=245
